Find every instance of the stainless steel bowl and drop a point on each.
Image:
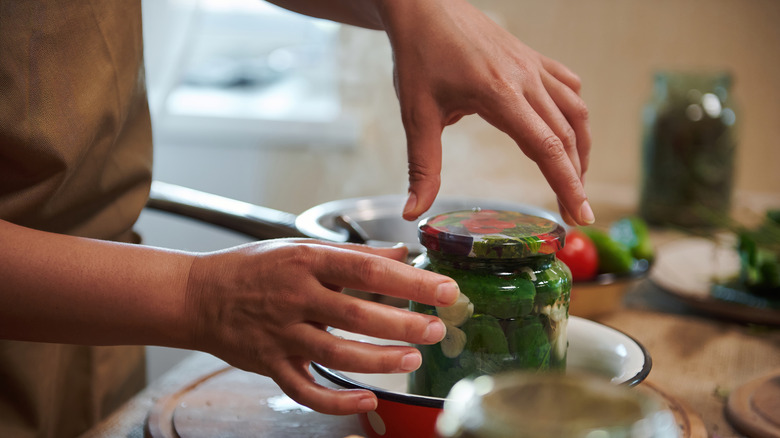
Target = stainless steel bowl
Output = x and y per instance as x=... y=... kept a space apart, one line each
x=375 y=220
x=378 y=218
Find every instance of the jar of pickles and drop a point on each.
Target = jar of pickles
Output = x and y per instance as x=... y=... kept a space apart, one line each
x=514 y=303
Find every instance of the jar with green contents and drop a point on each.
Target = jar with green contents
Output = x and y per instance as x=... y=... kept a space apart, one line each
x=514 y=304
x=689 y=144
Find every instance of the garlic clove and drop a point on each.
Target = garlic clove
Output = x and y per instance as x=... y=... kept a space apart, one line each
x=453 y=342
x=457 y=313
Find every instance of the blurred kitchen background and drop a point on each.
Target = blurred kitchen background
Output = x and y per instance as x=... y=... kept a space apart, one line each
x=269 y=107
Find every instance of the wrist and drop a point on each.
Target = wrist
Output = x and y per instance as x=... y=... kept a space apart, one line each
x=207 y=300
x=195 y=304
x=396 y=14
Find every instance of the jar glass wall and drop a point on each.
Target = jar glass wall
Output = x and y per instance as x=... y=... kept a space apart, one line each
x=513 y=308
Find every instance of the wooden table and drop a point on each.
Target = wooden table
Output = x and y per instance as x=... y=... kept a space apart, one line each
x=696 y=359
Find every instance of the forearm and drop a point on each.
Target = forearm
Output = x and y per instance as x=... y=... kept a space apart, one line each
x=57 y=288
x=371 y=14
x=361 y=13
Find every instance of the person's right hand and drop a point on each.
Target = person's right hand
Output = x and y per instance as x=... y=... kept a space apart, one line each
x=264 y=307
x=451 y=60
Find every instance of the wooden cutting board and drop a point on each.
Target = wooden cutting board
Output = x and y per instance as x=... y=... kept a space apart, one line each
x=689 y=422
x=233 y=403
x=754 y=408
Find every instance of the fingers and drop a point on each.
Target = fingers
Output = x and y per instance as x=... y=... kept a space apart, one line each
x=360 y=357
x=539 y=142
x=398 y=252
x=565 y=214
x=562 y=73
x=576 y=113
x=423 y=128
x=549 y=122
x=297 y=382
x=549 y=111
x=372 y=273
x=373 y=319
x=331 y=266
x=572 y=107
x=294 y=379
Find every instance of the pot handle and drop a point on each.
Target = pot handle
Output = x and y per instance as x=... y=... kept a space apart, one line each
x=249 y=219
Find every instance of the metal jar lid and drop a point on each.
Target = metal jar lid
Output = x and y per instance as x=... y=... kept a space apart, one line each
x=492 y=234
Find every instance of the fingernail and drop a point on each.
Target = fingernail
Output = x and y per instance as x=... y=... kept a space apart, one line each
x=398 y=245
x=411 y=203
x=367 y=404
x=586 y=213
x=411 y=362
x=434 y=332
x=447 y=293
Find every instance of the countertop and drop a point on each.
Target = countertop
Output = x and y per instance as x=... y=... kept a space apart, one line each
x=697 y=358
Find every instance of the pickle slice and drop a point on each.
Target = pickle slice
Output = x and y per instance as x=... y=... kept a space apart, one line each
x=528 y=343
x=508 y=300
x=484 y=335
x=446 y=379
x=553 y=282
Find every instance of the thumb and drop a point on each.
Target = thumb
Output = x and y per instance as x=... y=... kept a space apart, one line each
x=423 y=149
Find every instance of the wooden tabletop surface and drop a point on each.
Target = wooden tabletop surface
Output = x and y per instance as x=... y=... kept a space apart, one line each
x=697 y=358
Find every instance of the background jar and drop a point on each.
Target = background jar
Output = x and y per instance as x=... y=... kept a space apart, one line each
x=513 y=308
x=689 y=143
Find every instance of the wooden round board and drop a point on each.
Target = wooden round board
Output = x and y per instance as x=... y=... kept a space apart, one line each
x=234 y=403
x=689 y=422
x=754 y=408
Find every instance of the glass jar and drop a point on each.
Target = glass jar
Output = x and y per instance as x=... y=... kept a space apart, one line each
x=523 y=405
x=688 y=150
x=513 y=308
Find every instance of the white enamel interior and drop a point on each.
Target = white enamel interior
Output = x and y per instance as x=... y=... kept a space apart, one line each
x=593 y=348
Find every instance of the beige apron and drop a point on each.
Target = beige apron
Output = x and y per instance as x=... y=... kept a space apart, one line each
x=75 y=158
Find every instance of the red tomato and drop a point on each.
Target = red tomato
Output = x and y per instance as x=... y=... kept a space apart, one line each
x=580 y=255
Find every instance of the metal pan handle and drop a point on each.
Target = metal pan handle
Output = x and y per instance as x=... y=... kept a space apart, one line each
x=249 y=219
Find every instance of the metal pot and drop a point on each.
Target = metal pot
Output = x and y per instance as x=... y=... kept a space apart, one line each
x=374 y=220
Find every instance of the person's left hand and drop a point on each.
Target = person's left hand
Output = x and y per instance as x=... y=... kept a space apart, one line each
x=264 y=307
x=451 y=60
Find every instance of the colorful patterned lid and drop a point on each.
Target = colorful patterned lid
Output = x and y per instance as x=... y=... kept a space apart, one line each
x=492 y=234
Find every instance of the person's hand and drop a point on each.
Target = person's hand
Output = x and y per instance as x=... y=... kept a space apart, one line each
x=264 y=308
x=451 y=60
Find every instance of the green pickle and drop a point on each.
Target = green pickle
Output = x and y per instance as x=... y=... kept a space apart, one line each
x=614 y=256
x=528 y=340
x=514 y=309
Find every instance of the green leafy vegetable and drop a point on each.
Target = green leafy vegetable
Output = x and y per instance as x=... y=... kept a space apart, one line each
x=759 y=253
